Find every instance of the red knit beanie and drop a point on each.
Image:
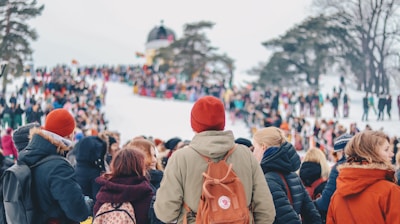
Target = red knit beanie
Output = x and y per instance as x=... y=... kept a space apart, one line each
x=60 y=122
x=208 y=113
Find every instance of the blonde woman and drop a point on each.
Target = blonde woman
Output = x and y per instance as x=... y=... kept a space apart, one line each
x=279 y=162
x=314 y=172
x=366 y=189
x=316 y=155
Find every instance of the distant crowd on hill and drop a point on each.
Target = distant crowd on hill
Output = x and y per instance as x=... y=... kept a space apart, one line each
x=297 y=113
x=82 y=172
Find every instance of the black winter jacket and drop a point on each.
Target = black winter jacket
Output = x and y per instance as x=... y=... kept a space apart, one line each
x=55 y=192
x=89 y=154
x=286 y=161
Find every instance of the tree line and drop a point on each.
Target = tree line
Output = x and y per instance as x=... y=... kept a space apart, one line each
x=356 y=38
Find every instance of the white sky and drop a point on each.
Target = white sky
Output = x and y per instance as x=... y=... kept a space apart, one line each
x=110 y=32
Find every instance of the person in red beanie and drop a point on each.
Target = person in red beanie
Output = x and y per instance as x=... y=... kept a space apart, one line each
x=57 y=197
x=183 y=180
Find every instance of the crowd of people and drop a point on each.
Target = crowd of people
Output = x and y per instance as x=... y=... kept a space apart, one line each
x=161 y=180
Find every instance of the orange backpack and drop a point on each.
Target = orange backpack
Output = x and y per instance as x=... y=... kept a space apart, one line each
x=223 y=199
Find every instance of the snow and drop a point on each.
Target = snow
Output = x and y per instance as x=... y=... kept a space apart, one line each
x=133 y=115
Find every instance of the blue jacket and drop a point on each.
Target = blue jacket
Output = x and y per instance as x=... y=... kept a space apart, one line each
x=55 y=190
x=322 y=202
x=286 y=161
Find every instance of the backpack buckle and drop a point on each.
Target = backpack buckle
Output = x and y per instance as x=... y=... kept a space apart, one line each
x=191 y=214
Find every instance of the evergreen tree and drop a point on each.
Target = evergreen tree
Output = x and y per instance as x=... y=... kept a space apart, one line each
x=302 y=53
x=15 y=34
x=194 y=57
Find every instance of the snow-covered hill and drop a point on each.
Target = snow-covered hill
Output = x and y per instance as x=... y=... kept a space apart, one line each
x=134 y=115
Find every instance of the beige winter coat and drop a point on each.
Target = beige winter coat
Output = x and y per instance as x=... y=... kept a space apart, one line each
x=182 y=179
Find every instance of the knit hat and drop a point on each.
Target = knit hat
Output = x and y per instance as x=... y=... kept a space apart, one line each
x=244 y=141
x=171 y=143
x=309 y=172
x=21 y=135
x=341 y=142
x=208 y=113
x=60 y=122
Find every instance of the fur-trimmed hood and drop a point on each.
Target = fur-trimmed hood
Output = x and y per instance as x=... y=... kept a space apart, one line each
x=354 y=178
x=43 y=143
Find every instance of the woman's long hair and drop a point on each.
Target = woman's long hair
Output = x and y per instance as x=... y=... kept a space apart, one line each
x=128 y=161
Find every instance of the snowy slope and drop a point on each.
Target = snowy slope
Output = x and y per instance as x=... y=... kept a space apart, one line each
x=391 y=127
x=134 y=115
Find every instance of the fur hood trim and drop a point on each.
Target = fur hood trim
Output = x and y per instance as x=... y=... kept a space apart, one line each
x=379 y=166
x=61 y=143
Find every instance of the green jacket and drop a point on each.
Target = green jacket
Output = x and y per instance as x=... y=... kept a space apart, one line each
x=182 y=181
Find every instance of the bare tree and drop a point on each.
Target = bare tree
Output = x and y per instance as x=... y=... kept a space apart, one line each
x=374 y=23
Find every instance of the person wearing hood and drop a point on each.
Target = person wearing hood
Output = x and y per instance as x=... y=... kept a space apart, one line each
x=89 y=154
x=183 y=180
x=57 y=196
x=126 y=182
x=279 y=162
x=366 y=191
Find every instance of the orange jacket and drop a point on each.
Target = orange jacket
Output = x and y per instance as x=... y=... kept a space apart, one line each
x=365 y=194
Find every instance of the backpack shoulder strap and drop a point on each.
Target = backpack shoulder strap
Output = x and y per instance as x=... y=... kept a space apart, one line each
x=316 y=183
x=289 y=194
x=230 y=152
x=188 y=213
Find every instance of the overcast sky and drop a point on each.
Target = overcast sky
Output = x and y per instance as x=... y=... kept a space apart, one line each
x=110 y=32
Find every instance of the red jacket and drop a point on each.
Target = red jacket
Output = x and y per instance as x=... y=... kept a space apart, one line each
x=365 y=194
x=8 y=146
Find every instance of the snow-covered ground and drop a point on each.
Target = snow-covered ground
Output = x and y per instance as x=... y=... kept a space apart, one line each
x=134 y=115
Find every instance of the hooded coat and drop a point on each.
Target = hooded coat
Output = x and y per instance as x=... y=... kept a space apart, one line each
x=133 y=189
x=89 y=154
x=183 y=180
x=55 y=190
x=285 y=161
x=365 y=194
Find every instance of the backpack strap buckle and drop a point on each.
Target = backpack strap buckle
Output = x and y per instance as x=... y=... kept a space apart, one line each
x=188 y=214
